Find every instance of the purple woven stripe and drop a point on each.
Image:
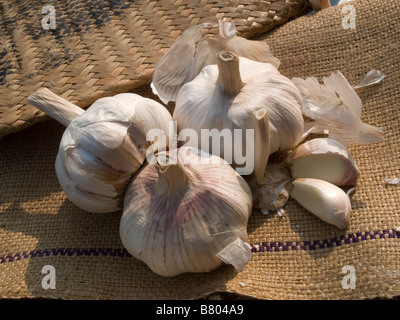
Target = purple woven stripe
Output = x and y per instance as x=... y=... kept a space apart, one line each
x=65 y=252
x=327 y=243
x=258 y=247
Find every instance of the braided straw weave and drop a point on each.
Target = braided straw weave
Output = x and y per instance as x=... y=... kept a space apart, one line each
x=102 y=47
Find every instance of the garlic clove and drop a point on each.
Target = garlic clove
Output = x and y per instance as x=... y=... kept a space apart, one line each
x=325 y=159
x=98 y=198
x=187 y=214
x=323 y=199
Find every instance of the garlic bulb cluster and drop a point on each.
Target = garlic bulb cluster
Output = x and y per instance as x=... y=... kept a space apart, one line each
x=103 y=146
x=239 y=93
x=189 y=55
x=187 y=210
x=187 y=213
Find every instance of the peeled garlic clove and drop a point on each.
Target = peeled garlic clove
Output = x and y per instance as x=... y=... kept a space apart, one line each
x=103 y=146
x=325 y=159
x=323 y=199
x=187 y=213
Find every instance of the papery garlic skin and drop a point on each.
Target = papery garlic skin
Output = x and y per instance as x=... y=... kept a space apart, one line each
x=373 y=77
x=336 y=107
x=325 y=159
x=189 y=54
x=173 y=69
x=188 y=216
x=323 y=199
x=266 y=94
x=271 y=194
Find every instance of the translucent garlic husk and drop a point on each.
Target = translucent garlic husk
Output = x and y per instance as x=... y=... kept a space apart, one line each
x=103 y=146
x=190 y=53
x=187 y=213
x=335 y=107
x=245 y=94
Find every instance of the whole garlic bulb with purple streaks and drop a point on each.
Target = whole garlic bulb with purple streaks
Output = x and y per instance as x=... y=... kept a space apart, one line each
x=188 y=212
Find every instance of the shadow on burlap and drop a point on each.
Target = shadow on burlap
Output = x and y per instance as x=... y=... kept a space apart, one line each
x=296 y=256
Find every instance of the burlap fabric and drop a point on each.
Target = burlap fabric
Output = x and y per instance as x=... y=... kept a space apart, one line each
x=296 y=256
x=104 y=47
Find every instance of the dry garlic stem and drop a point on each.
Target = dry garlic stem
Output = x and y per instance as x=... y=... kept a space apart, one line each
x=103 y=146
x=187 y=213
x=229 y=75
x=56 y=107
x=323 y=199
x=324 y=159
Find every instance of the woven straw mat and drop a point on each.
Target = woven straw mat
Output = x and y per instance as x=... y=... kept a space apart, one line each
x=296 y=256
x=103 y=47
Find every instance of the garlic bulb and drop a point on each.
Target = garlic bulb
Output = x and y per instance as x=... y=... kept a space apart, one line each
x=184 y=60
x=240 y=94
x=103 y=146
x=187 y=213
x=336 y=107
x=323 y=199
x=325 y=159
